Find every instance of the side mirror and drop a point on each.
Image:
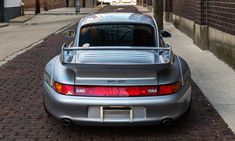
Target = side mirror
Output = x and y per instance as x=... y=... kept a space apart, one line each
x=69 y=33
x=65 y=45
x=165 y=34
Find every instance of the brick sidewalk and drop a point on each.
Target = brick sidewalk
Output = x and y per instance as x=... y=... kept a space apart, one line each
x=22 y=117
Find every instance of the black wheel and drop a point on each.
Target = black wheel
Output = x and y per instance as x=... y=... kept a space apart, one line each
x=189 y=107
x=188 y=110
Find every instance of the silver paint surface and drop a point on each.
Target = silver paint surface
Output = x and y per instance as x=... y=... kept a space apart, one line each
x=117 y=66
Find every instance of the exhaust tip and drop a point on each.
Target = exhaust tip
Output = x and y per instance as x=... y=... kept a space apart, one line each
x=66 y=122
x=167 y=122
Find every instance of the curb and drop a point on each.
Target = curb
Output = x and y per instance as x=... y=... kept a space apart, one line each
x=3 y=24
x=62 y=14
x=21 y=19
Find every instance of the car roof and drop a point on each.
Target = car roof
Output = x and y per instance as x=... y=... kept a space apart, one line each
x=117 y=18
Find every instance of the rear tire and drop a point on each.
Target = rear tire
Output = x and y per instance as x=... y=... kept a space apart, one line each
x=189 y=108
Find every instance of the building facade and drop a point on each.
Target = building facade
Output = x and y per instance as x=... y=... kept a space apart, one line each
x=46 y=4
x=9 y=9
x=70 y=3
x=210 y=23
x=52 y=4
x=1 y=10
x=83 y=3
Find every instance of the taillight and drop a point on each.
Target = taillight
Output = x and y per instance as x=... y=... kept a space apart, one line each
x=63 y=89
x=169 y=89
x=112 y=91
x=117 y=91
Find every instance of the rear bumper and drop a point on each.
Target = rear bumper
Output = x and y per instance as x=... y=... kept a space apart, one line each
x=87 y=110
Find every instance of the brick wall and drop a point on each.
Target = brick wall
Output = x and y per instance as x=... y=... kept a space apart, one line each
x=200 y=12
x=184 y=8
x=221 y=15
x=1 y=10
x=51 y=4
x=210 y=24
x=168 y=7
x=149 y=2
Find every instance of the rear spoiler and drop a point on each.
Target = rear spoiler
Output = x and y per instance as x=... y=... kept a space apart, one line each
x=164 y=56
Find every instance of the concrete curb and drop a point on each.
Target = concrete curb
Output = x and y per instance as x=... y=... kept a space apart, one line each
x=22 y=19
x=63 y=13
x=3 y=24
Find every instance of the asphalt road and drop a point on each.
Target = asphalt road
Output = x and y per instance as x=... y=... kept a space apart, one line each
x=22 y=117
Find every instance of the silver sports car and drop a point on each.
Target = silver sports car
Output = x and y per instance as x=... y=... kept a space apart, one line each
x=117 y=71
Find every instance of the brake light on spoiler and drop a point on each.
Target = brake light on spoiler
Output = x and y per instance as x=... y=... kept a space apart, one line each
x=117 y=91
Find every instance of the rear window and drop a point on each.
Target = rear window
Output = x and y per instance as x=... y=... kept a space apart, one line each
x=117 y=35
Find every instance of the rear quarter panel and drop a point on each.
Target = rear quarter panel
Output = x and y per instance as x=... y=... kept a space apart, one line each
x=179 y=71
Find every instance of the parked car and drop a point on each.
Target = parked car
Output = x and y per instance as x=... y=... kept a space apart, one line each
x=117 y=71
x=110 y=1
x=127 y=1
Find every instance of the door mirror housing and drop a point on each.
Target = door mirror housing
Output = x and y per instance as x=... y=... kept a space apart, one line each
x=165 y=34
x=69 y=33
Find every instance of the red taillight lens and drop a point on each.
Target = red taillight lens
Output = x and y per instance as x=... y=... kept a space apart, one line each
x=169 y=89
x=116 y=91
x=63 y=89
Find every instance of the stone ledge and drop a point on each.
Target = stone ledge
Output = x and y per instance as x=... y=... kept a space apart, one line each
x=21 y=19
x=3 y=24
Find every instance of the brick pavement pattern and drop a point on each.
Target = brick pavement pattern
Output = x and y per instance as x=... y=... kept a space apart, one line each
x=22 y=116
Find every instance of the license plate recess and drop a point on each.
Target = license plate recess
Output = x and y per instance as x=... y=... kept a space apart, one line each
x=117 y=113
